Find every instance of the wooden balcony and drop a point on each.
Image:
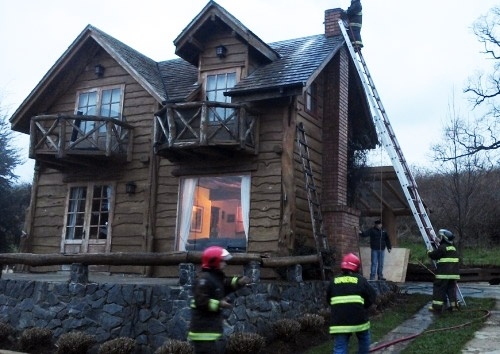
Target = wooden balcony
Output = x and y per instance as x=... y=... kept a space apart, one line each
x=63 y=141
x=205 y=129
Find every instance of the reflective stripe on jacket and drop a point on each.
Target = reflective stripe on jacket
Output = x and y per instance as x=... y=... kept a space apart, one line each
x=447 y=261
x=349 y=296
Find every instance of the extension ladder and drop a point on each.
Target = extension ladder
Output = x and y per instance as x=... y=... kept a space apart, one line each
x=320 y=237
x=391 y=145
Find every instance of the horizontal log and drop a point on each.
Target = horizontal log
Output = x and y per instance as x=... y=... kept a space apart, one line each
x=144 y=258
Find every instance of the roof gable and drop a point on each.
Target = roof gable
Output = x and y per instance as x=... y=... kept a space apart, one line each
x=73 y=61
x=190 y=43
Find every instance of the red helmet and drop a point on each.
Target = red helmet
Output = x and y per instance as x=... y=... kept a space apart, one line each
x=213 y=256
x=350 y=262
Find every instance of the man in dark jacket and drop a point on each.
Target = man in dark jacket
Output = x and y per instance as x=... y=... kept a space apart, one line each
x=379 y=240
x=355 y=18
x=210 y=289
x=350 y=296
x=447 y=272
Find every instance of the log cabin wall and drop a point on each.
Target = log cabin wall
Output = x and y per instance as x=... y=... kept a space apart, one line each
x=313 y=125
x=130 y=213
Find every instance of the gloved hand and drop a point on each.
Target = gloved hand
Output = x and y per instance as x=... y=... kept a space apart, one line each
x=389 y=250
x=244 y=280
x=223 y=304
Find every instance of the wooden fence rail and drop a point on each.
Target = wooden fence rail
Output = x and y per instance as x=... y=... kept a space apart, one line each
x=147 y=259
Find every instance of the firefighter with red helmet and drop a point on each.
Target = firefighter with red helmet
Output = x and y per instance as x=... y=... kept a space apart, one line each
x=209 y=291
x=350 y=296
x=447 y=272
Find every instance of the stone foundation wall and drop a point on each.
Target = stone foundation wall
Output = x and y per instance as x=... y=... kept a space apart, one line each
x=150 y=314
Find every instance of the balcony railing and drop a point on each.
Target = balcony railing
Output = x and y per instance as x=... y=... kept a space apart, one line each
x=195 y=126
x=73 y=138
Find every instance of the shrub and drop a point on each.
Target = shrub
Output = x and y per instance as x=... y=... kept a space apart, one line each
x=122 y=345
x=6 y=331
x=311 y=322
x=173 y=346
x=245 y=343
x=34 y=338
x=325 y=313
x=286 y=329
x=74 y=343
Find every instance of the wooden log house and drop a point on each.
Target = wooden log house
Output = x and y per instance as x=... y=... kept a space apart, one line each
x=134 y=155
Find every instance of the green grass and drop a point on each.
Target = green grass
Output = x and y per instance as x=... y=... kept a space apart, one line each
x=443 y=342
x=451 y=331
x=471 y=256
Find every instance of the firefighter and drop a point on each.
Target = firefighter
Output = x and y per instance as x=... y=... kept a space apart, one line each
x=350 y=296
x=447 y=273
x=355 y=19
x=210 y=289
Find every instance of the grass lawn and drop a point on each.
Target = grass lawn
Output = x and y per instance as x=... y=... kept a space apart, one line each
x=445 y=335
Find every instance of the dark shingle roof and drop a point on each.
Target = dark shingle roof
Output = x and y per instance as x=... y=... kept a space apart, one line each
x=300 y=58
x=180 y=78
x=142 y=65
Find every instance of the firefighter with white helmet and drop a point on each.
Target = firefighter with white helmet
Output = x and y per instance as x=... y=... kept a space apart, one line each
x=350 y=296
x=447 y=272
x=210 y=289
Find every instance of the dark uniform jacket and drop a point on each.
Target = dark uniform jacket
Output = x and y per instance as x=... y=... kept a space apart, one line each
x=447 y=261
x=349 y=295
x=355 y=18
x=206 y=317
x=379 y=238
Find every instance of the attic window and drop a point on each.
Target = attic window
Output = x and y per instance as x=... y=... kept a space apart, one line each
x=215 y=87
x=311 y=98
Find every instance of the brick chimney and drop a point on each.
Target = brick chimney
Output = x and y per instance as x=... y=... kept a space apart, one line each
x=332 y=17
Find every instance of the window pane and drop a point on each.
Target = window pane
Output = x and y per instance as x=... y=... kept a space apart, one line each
x=110 y=103
x=213 y=213
x=211 y=83
x=76 y=213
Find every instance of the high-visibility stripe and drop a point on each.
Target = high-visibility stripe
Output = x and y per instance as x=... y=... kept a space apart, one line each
x=438 y=303
x=200 y=336
x=448 y=260
x=213 y=305
x=348 y=299
x=352 y=24
x=193 y=304
x=234 y=282
x=448 y=276
x=350 y=329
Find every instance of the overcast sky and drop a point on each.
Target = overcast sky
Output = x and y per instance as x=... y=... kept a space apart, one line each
x=420 y=53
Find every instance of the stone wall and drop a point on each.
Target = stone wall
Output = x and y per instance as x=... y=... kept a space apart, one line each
x=148 y=313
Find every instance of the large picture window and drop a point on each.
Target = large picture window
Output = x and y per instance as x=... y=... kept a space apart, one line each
x=214 y=211
x=87 y=217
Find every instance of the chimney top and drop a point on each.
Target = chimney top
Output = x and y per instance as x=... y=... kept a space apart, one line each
x=332 y=17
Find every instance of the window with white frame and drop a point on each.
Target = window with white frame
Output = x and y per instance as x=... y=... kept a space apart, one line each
x=311 y=98
x=215 y=87
x=88 y=212
x=213 y=210
x=103 y=102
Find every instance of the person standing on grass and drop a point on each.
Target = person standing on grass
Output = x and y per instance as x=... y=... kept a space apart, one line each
x=211 y=287
x=379 y=240
x=447 y=272
x=350 y=296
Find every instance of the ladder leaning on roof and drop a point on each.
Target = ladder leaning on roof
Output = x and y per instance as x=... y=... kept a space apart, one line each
x=394 y=151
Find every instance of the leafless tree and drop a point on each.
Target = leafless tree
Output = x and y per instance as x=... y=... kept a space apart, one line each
x=484 y=90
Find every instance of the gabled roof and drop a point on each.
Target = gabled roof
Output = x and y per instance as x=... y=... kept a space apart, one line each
x=74 y=60
x=300 y=62
x=189 y=44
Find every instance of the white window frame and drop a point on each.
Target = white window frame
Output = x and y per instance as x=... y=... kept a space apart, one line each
x=85 y=241
x=186 y=204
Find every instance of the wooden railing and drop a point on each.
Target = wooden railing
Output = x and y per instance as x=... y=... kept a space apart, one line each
x=193 y=125
x=61 y=136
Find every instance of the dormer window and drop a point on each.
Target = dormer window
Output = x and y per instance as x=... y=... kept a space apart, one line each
x=215 y=86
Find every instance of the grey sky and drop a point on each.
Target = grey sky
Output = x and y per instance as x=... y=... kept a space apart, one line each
x=420 y=53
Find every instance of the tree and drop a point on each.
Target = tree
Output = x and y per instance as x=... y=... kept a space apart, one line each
x=484 y=90
x=9 y=157
x=458 y=194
